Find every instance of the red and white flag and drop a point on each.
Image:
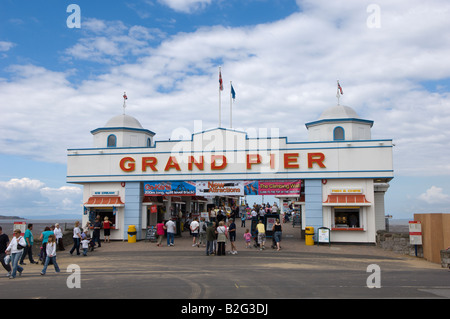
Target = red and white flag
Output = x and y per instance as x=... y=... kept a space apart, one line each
x=220 y=81
x=339 y=88
x=125 y=96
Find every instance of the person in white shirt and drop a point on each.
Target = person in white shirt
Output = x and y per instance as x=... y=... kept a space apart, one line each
x=171 y=230
x=15 y=248
x=85 y=245
x=51 y=254
x=76 y=238
x=59 y=235
x=194 y=226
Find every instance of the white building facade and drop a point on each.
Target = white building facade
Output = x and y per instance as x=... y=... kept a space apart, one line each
x=343 y=171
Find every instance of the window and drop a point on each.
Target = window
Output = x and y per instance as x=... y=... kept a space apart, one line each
x=112 y=141
x=338 y=134
x=149 y=142
x=347 y=218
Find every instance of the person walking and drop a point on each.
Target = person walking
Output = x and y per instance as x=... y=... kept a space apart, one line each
x=194 y=226
x=15 y=249
x=171 y=228
x=232 y=236
x=277 y=231
x=44 y=237
x=202 y=232
x=210 y=238
x=59 y=237
x=159 y=232
x=76 y=238
x=28 y=250
x=261 y=235
x=222 y=237
x=106 y=229
x=4 y=240
x=243 y=218
x=247 y=238
x=96 y=232
x=51 y=255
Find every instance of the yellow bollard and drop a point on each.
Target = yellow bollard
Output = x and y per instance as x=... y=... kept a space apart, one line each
x=132 y=234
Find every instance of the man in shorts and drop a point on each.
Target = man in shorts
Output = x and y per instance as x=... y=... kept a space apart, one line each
x=194 y=230
x=261 y=235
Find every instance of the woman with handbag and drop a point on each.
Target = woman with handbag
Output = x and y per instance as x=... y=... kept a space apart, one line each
x=222 y=237
x=15 y=248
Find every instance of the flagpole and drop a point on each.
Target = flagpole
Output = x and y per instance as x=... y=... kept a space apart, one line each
x=220 y=102
x=231 y=107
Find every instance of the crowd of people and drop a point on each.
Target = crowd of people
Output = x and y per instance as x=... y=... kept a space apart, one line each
x=13 y=252
x=221 y=230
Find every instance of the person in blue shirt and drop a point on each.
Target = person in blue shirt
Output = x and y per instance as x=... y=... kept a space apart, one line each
x=44 y=237
x=28 y=250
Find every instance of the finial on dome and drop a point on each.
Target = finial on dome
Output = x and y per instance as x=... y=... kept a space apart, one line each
x=125 y=98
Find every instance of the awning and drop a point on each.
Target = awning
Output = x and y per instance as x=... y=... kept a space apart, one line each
x=104 y=201
x=346 y=200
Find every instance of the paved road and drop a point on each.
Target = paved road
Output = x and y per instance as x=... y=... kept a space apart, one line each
x=124 y=270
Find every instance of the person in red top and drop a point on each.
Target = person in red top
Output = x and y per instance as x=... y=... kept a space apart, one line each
x=160 y=232
x=106 y=228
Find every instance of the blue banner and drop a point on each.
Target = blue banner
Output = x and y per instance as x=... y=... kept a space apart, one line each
x=169 y=188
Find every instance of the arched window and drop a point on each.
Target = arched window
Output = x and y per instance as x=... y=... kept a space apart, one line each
x=149 y=142
x=338 y=134
x=112 y=140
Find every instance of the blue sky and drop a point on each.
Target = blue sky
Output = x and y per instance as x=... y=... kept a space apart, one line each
x=59 y=83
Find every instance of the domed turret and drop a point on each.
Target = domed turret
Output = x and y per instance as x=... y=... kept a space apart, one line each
x=339 y=123
x=339 y=112
x=122 y=131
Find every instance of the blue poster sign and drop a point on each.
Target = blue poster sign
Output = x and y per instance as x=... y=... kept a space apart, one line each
x=169 y=188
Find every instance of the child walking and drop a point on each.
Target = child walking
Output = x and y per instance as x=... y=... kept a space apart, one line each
x=51 y=254
x=248 y=238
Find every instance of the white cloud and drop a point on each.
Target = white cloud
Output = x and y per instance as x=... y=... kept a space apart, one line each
x=186 y=6
x=30 y=197
x=284 y=71
x=6 y=46
x=435 y=195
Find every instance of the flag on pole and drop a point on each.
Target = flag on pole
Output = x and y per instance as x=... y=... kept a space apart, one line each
x=220 y=80
x=233 y=93
x=339 y=88
x=125 y=96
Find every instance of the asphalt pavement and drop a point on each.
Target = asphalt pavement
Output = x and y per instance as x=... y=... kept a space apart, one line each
x=122 y=270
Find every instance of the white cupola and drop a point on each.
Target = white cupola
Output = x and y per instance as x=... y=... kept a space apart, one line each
x=339 y=123
x=122 y=131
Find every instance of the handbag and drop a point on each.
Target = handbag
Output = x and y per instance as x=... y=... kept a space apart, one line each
x=19 y=246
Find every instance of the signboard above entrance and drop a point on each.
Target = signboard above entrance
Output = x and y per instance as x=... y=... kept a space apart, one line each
x=223 y=188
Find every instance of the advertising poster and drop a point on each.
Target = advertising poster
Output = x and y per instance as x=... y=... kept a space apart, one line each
x=169 y=188
x=217 y=188
x=279 y=187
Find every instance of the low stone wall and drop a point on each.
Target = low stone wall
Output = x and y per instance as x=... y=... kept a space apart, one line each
x=445 y=258
x=398 y=243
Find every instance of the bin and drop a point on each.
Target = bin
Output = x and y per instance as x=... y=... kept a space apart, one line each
x=309 y=236
x=132 y=234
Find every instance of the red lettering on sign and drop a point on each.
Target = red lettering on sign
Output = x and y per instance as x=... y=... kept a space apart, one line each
x=149 y=162
x=127 y=164
x=214 y=166
x=253 y=159
x=290 y=160
x=191 y=162
x=317 y=158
